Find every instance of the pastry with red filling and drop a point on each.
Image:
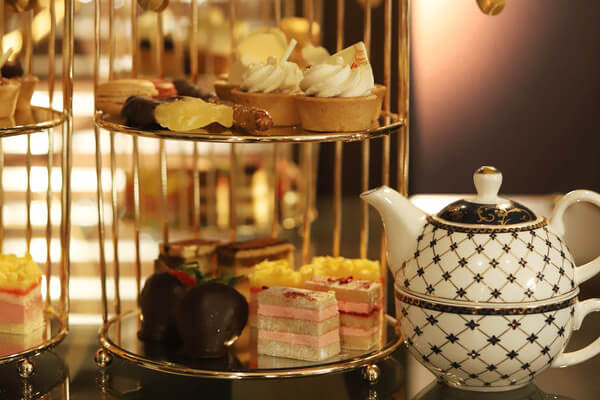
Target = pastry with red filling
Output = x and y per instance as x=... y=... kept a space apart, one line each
x=21 y=305
x=297 y=323
x=359 y=304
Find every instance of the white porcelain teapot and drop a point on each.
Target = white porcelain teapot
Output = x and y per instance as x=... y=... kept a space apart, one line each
x=486 y=291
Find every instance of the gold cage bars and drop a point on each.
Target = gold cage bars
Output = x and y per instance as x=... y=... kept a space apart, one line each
x=37 y=125
x=392 y=122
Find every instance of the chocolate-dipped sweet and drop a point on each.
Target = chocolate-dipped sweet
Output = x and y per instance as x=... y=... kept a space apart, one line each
x=139 y=112
x=210 y=317
x=12 y=69
x=160 y=297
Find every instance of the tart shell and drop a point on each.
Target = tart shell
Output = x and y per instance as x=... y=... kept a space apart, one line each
x=281 y=106
x=338 y=114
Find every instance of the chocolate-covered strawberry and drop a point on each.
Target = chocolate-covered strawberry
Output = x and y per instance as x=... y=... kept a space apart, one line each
x=210 y=317
x=161 y=294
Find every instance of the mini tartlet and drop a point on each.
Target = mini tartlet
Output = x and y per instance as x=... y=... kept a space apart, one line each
x=340 y=94
x=281 y=106
x=9 y=94
x=346 y=114
x=272 y=86
x=13 y=71
x=26 y=93
x=257 y=47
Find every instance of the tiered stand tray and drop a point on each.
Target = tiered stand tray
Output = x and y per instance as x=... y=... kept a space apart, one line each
x=118 y=335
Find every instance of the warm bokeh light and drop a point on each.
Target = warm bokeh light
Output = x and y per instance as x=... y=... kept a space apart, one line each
x=40 y=27
x=12 y=40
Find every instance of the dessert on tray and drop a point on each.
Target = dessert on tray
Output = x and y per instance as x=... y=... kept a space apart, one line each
x=340 y=267
x=9 y=91
x=199 y=315
x=182 y=114
x=210 y=318
x=160 y=296
x=297 y=323
x=111 y=95
x=272 y=86
x=359 y=305
x=198 y=253
x=277 y=273
x=273 y=273
x=13 y=71
x=338 y=93
x=21 y=306
x=178 y=106
x=238 y=257
x=9 y=94
x=257 y=47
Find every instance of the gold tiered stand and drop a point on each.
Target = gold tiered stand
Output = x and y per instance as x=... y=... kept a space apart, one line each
x=118 y=335
x=36 y=121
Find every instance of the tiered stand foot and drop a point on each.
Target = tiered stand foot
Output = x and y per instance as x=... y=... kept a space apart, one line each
x=102 y=358
x=371 y=373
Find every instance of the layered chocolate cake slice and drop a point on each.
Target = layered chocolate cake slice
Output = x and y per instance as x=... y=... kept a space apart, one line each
x=237 y=258
x=193 y=251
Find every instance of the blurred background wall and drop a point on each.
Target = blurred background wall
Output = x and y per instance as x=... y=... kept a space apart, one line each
x=520 y=90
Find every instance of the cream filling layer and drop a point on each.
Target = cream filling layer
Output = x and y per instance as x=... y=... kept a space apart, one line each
x=313 y=315
x=330 y=337
x=358 y=332
x=353 y=307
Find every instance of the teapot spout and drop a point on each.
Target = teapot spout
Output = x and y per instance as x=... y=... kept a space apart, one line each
x=402 y=221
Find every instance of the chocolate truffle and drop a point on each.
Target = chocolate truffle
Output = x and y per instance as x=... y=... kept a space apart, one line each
x=210 y=317
x=161 y=294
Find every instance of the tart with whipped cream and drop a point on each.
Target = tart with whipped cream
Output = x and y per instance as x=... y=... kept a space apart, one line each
x=339 y=93
x=272 y=86
x=257 y=47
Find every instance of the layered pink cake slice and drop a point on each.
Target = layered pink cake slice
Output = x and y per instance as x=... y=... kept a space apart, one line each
x=297 y=323
x=359 y=305
x=21 y=305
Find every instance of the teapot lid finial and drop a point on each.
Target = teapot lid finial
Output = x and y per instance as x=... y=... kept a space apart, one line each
x=487 y=182
x=487 y=208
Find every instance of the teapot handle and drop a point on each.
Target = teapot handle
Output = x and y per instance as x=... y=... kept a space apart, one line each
x=582 y=309
x=584 y=272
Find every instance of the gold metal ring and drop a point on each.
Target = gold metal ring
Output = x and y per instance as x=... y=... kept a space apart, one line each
x=350 y=364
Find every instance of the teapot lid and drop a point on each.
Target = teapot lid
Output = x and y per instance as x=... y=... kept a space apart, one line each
x=487 y=208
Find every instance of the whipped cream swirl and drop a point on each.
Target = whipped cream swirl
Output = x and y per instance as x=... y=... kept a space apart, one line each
x=337 y=80
x=272 y=77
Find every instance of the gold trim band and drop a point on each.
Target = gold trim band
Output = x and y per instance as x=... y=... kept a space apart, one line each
x=494 y=229
x=475 y=310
